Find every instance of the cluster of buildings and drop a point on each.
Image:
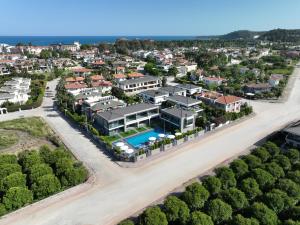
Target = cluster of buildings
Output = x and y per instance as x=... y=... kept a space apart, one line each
x=16 y=90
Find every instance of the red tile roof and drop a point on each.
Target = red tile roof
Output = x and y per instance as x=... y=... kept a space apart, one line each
x=75 y=86
x=99 y=62
x=74 y=79
x=119 y=76
x=102 y=83
x=81 y=70
x=134 y=75
x=228 y=99
x=97 y=77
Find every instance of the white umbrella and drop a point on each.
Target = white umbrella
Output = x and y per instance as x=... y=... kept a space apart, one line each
x=119 y=144
x=178 y=134
x=129 y=151
x=171 y=136
x=124 y=147
x=152 y=138
x=161 y=135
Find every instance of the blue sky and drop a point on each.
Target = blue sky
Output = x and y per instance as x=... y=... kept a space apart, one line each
x=144 y=17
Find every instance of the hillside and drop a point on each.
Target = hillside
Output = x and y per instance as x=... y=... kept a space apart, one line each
x=241 y=34
x=282 y=35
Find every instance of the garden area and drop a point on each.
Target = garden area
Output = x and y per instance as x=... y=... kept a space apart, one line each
x=27 y=176
x=261 y=188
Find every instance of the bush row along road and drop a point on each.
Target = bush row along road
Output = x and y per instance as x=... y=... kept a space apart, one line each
x=116 y=193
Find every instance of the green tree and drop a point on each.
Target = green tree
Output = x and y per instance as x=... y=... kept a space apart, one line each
x=195 y=196
x=29 y=158
x=62 y=165
x=278 y=200
x=274 y=169
x=291 y=222
x=212 y=184
x=153 y=216
x=262 y=153
x=283 y=161
x=272 y=148
x=219 y=211
x=290 y=187
x=200 y=218
x=264 y=179
x=294 y=176
x=2 y=209
x=39 y=170
x=239 y=167
x=293 y=155
x=46 y=185
x=294 y=213
x=17 y=197
x=127 y=222
x=252 y=161
x=74 y=176
x=263 y=214
x=227 y=177
x=236 y=198
x=13 y=180
x=11 y=159
x=240 y=220
x=7 y=169
x=173 y=71
x=176 y=210
x=251 y=188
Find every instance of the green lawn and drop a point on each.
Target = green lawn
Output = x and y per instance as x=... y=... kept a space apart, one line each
x=110 y=139
x=33 y=125
x=7 y=139
x=287 y=71
x=140 y=129
x=128 y=133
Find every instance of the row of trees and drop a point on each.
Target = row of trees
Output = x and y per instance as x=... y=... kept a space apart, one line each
x=34 y=175
x=262 y=188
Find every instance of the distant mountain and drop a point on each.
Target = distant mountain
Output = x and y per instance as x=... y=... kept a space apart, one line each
x=280 y=35
x=242 y=35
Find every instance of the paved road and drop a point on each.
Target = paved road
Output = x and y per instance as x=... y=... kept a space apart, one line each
x=116 y=193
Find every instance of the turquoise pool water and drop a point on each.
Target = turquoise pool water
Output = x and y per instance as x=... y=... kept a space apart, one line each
x=138 y=140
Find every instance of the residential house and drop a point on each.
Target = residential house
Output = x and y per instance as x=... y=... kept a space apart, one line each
x=229 y=103
x=119 y=77
x=81 y=72
x=213 y=81
x=139 y=84
x=190 y=88
x=178 y=119
x=122 y=119
x=186 y=103
x=96 y=104
x=257 y=88
x=275 y=79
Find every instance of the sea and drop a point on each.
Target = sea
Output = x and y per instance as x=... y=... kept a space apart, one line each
x=48 y=40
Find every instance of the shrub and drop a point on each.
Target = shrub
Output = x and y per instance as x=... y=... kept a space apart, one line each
x=200 y=218
x=212 y=184
x=16 y=197
x=46 y=185
x=176 y=210
x=264 y=215
x=227 y=177
x=239 y=167
x=219 y=211
x=153 y=216
x=195 y=196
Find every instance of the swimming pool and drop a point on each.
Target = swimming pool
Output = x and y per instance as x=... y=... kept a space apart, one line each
x=138 y=140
